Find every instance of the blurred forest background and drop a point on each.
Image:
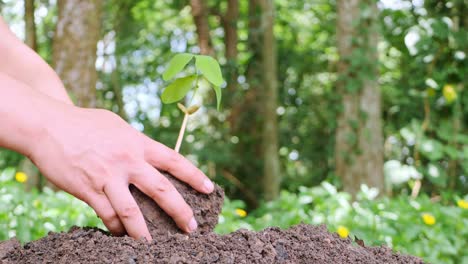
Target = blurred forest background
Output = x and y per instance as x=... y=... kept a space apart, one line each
x=325 y=102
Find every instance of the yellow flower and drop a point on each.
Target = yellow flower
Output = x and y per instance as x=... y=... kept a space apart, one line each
x=21 y=177
x=343 y=231
x=36 y=203
x=241 y=212
x=462 y=204
x=428 y=219
x=449 y=93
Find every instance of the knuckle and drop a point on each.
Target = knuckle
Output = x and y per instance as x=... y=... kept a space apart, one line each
x=115 y=227
x=175 y=158
x=129 y=211
x=163 y=185
x=186 y=213
x=181 y=214
x=109 y=216
x=124 y=156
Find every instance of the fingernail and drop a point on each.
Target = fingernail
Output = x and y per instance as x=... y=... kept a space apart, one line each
x=192 y=225
x=208 y=185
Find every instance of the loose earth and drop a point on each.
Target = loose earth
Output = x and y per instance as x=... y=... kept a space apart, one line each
x=298 y=244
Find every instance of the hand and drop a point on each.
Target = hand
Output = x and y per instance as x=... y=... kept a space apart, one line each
x=94 y=155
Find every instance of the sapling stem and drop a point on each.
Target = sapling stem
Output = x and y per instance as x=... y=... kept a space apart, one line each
x=195 y=90
x=181 y=132
x=187 y=112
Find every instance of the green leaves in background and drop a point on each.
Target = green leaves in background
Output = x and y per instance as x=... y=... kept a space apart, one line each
x=432 y=149
x=177 y=64
x=178 y=89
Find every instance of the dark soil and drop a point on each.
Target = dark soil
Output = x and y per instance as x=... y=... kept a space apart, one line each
x=206 y=209
x=299 y=244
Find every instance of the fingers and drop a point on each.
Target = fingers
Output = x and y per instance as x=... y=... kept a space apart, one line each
x=104 y=210
x=161 y=190
x=127 y=209
x=168 y=160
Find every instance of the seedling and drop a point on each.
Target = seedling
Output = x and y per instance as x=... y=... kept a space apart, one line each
x=206 y=67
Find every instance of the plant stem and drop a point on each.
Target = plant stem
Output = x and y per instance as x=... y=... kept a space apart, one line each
x=195 y=90
x=181 y=132
x=186 y=116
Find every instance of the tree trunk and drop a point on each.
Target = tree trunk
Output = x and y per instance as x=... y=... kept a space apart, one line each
x=117 y=88
x=26 y=165
x=359 y=137
x=229 y=22
x=74 y=48
x=243 y=124
x=30 y=26
x=258 y=133
x=200 y=17
x=271 y=168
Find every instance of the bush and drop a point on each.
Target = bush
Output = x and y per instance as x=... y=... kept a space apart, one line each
x=31 y=215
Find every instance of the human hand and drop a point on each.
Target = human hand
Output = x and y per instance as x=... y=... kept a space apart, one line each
x=94 y=155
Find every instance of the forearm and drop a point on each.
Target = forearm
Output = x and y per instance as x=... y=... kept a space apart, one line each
x=24 y=113
x=21 y=63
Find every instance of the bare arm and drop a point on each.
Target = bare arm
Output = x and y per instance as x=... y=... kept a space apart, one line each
x=21 y=63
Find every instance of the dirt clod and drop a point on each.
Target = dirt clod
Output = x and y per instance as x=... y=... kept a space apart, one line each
x=206 y=209
x=8 y=246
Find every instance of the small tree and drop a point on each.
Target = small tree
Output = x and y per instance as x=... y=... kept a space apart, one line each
x=205 y=67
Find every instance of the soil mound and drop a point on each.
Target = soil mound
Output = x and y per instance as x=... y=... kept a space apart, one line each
x=298 y=244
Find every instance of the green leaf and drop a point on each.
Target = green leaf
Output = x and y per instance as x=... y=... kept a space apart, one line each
x=451 y=151
x=209 y=67
x=432 y=149
x=218 y=95
x=178 y=89
x=177 y=64
x=436 y=175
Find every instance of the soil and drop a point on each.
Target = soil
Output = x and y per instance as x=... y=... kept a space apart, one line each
x=299 y=244
x=206 y=209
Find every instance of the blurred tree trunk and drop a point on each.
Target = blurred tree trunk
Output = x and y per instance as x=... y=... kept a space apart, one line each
x=243 y=124
x=240 y=122
x=26 y=165
x=200 y=17
x=30 y=29
x=258 y=139
x=117 y=88
x=359 y=136
x=74 y=48
x=271 y=168
x=123 y=11
x=258 y=133
x=460 y=22
x=229 y=21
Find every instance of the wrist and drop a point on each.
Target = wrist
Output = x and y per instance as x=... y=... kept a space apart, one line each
x=54 y=116
x=25 y=115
